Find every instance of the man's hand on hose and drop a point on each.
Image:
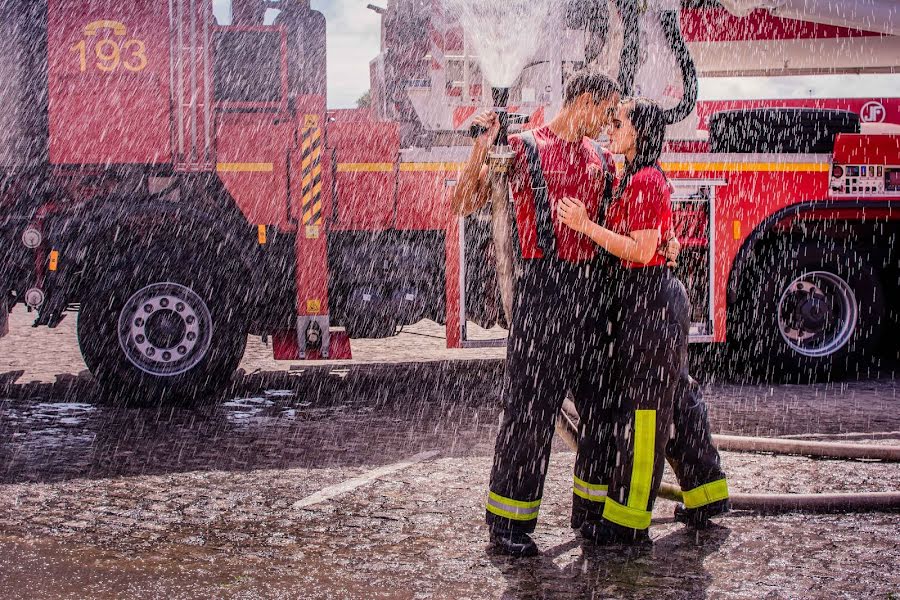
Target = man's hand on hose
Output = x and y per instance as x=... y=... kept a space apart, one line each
x=491 y=123
x=671 y=250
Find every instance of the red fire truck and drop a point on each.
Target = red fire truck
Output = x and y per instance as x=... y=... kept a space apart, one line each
x=181 y=185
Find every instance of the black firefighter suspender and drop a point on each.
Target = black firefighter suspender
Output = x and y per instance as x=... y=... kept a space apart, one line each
x=546 y=237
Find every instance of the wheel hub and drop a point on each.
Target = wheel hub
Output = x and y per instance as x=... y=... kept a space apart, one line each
x=165 y=329
x=817 y=314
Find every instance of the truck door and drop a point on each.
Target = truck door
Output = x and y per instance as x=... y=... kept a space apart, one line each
x=256 y=132
x=693 y=203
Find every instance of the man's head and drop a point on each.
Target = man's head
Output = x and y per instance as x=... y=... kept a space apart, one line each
x=590 y=101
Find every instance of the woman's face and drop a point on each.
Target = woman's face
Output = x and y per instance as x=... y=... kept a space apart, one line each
x=622 y=136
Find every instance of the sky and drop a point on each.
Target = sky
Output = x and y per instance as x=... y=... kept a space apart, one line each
x=353 y=41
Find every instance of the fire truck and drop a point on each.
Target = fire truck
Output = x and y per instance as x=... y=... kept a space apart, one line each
x=181 y=184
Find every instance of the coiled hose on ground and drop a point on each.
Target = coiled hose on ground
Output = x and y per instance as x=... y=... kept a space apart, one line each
x=567 y=428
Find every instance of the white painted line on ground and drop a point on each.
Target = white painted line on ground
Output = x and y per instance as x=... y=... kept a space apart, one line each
x=334 y=491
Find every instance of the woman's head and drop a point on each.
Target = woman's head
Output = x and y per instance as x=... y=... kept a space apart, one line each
x=638 y=132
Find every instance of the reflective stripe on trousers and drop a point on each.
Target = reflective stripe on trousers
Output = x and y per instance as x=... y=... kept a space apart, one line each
x=705 y=494
x=634 y=513
x=517 y=510
x=593 y=492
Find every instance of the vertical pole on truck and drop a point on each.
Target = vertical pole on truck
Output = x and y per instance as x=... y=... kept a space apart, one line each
x=313 y=322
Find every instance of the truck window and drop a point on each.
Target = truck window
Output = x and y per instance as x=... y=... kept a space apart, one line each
x=248 y=66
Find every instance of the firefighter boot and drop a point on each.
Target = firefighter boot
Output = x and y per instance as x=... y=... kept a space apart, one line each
x=698 y=518
x=606 y=533
x=513 y=542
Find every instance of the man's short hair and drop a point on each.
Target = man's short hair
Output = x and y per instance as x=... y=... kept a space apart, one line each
x=599 y=86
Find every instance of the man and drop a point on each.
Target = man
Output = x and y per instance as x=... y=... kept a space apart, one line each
x=556 y=315
x=559 y=319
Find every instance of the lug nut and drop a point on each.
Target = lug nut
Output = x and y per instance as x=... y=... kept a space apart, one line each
x=32 y=238
x=34 y=297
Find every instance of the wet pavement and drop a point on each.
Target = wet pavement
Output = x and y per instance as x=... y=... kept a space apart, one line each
x=367 y=481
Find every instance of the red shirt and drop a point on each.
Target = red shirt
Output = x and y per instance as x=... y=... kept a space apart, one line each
x=572 y=169
x=645 y=204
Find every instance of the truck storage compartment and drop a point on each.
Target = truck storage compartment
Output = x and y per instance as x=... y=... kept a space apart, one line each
x=779 y=130
x=109 y=73
x=23 y=83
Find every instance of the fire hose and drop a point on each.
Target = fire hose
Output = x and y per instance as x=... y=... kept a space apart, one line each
x=567 y=428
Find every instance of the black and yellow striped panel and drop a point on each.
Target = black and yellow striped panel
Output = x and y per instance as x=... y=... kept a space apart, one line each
x=311 y=172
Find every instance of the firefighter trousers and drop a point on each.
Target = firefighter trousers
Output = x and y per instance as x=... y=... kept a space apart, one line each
x=623 y=437
x=558 y=320
x=691 y=452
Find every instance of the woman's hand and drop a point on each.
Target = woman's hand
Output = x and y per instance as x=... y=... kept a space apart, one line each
x=573 y=213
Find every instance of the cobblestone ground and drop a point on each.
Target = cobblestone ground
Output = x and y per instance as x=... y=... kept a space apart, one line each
x=367 y=481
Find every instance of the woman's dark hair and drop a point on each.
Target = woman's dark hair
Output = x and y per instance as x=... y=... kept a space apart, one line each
x=649 y=122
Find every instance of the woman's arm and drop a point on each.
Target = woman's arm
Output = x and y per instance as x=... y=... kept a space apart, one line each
x=637 y=247
x=472 y=190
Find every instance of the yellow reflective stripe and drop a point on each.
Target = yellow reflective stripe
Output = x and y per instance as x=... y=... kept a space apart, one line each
x=591 y=486
x=516 y=503
x=705 y=494
x=511 y=515
x=588 y=495
x=644 y=457
x=594 y=492
x=626 y=516
x=244 y=167
x=517 y=510
x=437 y=166
x=744 y=167
x=364 y=167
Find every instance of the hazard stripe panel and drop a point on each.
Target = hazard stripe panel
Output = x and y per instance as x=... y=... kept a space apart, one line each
x=311 y=172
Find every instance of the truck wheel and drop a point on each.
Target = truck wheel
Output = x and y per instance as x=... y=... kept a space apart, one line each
x=162 y=331
x=819 y=317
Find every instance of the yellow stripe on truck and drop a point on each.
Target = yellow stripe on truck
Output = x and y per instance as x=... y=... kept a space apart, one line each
x=364 y=167
x=244 y=167
x=742 y=167
x=728 y=167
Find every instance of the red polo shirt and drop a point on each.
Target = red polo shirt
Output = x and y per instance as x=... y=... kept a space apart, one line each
x=645 y=204
x=572 y=169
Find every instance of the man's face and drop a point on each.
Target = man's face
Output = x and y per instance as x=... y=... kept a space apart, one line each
x=596 y=116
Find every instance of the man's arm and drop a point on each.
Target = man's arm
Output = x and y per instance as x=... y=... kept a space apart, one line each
x=472 y=191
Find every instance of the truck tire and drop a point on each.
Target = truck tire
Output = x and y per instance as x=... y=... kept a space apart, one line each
x=159 y=326
x=816 y=314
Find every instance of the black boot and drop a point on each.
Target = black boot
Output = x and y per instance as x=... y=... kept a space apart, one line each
x=698 y=518
x=605 y=533
x=513 y=543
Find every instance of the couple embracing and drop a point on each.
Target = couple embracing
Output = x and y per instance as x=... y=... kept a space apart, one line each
x=598 y=313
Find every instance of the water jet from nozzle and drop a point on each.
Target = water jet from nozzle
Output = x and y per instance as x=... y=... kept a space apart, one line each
x=501 y=156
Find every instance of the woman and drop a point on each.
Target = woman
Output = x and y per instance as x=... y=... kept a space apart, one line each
x=650 y=338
